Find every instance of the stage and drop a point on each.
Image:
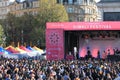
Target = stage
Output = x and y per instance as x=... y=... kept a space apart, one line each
x=62 y=37
x=94 y=40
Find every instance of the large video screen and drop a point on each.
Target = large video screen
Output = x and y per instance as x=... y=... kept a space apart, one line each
x=111 y=16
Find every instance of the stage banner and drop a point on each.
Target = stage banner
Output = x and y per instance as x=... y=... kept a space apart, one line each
x=54 y=44
x=84 y=25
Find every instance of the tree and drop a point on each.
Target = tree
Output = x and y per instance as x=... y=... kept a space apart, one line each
x=50 y=11
x=29 y=28
x=29 y=24
x=19 y=29
x=2 y=36
x=11 y=28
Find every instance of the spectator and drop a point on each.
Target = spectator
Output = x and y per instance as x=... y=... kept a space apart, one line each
x=31 y=69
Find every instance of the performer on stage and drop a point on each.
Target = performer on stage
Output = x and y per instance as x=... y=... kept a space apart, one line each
x=104 y=55
x=98 y=54
x=108 y=52
x=75 y=52
x=88 y=53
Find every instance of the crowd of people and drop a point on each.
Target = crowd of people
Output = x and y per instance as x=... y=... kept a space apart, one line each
x=35 y=69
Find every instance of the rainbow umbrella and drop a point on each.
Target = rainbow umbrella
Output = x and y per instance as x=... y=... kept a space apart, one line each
x=38 y=49
x=11 y=49
x=20 y=50
x=30 y=48
x=2 y=50
x=25 y=49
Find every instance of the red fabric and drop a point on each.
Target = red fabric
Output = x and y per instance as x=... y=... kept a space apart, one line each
x=12 y=50
x=24 y=48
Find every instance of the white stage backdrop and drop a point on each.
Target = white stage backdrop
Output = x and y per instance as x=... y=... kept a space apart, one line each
x=98 y=44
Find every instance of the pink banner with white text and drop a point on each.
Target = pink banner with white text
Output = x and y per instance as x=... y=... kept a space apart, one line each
x=54 y=44
x=84 y=25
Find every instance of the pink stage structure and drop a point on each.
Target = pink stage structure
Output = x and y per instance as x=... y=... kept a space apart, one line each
x=62 y=37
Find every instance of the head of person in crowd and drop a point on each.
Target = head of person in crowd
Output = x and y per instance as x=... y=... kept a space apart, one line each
x=31 y=69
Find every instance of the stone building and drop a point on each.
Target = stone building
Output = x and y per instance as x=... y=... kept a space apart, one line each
x=18 y=8
x=81 y=10
x=27 y=6
x=78 y=10
x=4 y=8
x=110 y=10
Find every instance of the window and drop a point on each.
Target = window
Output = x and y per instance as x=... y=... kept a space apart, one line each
x=21 y=6
x=80 y=1
x=60 y=1
x=86 y=10
x=74 y=1
x=70 y=19
x=85 y=1
x=76 y=10
x=2 y=4
x=65 y=1
x=24 y=5
x=35 y=4
x=80 y=19
x=81 y=11
x=30 y=4
x=70 y=1
x=91 y=11
x=70 y=10
x=88 y=2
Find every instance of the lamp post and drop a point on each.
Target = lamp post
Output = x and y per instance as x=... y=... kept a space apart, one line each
x=3 y=40
x=22 y=39
x=38 y=43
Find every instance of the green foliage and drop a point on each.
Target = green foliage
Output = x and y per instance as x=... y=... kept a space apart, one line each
x=31 y=29
x=51 y=12
x=2 y=36
x=19 y=29
x=11 y=27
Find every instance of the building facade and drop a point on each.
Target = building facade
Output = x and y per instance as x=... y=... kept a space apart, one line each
x=78 y=10
x=4 y=8
x=81 y=10
x=110 y=10
x=20 y=8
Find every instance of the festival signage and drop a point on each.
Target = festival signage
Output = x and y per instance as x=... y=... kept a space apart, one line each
x=84 y=25
x=54 y=44
x=55 y=34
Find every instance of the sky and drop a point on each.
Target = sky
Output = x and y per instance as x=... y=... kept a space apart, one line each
x=97 y=0
x=23 y=0
x=14 y=0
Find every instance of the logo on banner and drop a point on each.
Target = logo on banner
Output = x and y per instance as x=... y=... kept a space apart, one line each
x=54 y=38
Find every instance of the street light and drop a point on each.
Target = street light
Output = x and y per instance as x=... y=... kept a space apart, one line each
x=3 y=40
x=22 y=37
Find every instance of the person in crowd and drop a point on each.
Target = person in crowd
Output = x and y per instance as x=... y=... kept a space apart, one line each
x=34 y=69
